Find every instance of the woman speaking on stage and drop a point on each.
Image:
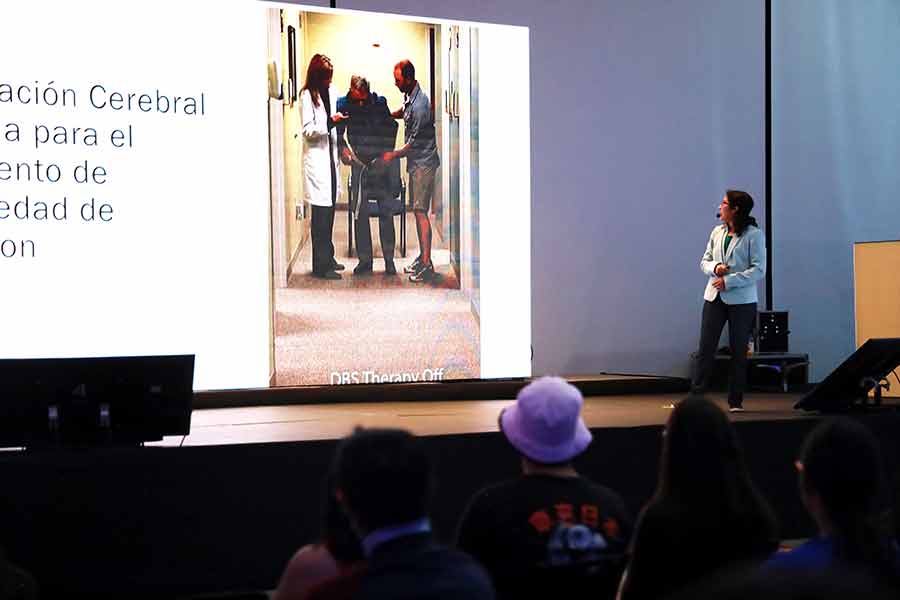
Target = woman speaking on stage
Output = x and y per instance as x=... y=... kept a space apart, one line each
x=735 y=259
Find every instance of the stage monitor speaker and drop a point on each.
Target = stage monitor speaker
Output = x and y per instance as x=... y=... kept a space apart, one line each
x=848 y=386
x=772 y=331
x=94 y=401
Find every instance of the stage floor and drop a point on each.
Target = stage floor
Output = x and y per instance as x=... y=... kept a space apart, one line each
x=266 y=424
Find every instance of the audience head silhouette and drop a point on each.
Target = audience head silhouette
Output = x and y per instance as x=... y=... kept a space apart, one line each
x=551 y=532
x=841 y=478
x=701 y=456
x=545 y=423
x=384 y=483
x=704 y=500
x=383 y=478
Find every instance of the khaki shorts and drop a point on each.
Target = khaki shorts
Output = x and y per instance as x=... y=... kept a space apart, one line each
x=421 y=186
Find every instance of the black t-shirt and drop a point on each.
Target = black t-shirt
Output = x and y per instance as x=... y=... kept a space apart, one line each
x=540 y=534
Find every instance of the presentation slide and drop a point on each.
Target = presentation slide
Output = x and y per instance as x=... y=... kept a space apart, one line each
x=294 y=195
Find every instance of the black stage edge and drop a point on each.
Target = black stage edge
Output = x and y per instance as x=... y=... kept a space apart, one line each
x=152 y=523
x=605 y=384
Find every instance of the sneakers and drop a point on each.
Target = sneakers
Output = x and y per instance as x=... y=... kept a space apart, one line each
x=425 y=273
x=414 y=267
x=735 y=409
x=389 y=268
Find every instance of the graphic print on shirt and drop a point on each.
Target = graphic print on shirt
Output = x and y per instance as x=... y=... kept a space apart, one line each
x=575 y=537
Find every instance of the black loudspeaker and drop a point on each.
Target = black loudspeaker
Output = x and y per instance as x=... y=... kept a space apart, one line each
x=773 y=331
x=90 y=401
x=849 y=385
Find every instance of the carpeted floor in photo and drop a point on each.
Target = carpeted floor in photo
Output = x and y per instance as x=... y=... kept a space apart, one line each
x=375 y=325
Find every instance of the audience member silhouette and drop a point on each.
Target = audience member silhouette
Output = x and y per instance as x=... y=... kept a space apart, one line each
x=706 y=513
x=384 y=482
x=842 y=487
x=550 y=532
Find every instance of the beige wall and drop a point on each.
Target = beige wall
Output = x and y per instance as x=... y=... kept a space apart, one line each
x=877 y=287
x=349 y=42
x=876 y=282
x=297 y=230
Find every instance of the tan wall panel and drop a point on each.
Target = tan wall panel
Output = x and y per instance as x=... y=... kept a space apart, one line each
x=876 y=276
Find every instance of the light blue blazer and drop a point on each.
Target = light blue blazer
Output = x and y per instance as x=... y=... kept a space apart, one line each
x=746 y=260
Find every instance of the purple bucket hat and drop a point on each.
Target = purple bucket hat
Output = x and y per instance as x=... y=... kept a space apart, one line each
x=545 y=423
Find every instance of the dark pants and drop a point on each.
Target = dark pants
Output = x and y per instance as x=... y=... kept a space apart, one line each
x=376 y=186
x=740 y=318
x=322 y=246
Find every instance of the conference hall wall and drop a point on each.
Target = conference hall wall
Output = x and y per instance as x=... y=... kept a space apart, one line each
x=644 y=111
x=835 y=157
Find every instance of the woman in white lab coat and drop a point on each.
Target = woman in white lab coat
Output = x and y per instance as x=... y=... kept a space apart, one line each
x=320 y=161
